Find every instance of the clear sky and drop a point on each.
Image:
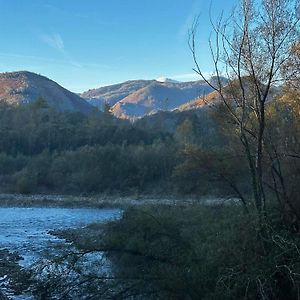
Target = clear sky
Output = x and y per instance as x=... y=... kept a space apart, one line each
x=83 y=44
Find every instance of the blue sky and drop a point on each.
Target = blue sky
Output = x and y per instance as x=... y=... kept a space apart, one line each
x=83 y=44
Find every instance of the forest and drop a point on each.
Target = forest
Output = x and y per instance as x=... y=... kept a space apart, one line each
x=44 y=151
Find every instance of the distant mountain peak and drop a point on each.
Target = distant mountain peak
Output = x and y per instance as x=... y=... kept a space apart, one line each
x=165 y=79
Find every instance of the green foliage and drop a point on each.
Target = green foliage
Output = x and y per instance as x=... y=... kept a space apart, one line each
x=42 y=150
x=11 y=164
x=25 y=182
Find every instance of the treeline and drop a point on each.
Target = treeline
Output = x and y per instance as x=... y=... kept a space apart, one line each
x=42 y=150
x=46 y=151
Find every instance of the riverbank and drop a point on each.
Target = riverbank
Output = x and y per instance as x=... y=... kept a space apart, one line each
x=192 y=252
x=104 y=201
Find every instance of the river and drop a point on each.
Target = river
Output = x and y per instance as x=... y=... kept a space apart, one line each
x=25 y=230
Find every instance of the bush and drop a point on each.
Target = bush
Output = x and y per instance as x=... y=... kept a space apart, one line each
x=205 y=253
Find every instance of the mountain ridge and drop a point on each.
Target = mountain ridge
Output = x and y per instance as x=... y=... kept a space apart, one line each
x=137 y=98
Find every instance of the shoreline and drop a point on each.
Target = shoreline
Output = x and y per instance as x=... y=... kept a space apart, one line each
x=99 y=201
x=104 y=201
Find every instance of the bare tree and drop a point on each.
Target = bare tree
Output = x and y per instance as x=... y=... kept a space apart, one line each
x=251 y=48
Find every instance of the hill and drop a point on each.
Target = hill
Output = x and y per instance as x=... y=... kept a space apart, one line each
x=113 y=93
x=17 y=88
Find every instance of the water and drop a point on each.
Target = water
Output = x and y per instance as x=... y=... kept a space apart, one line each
x=25 y=230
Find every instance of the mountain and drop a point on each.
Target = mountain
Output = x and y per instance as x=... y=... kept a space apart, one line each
x=137 y=98
x=113 y=93
x=17 y=88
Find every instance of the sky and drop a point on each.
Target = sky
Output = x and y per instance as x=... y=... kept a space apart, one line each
x=84 y=44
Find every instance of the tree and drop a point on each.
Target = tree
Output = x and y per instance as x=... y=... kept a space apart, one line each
x=252 y=49
x=184 y=132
